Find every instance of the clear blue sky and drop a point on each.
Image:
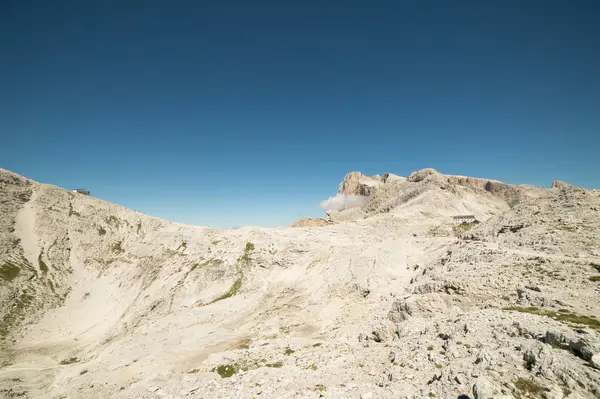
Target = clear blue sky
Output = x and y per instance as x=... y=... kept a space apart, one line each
x=238 y=113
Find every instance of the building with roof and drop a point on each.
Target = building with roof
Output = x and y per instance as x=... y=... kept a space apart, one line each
x=81 y=191
x=464 y=219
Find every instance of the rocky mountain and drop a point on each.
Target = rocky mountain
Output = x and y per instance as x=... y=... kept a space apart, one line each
x=389 y=299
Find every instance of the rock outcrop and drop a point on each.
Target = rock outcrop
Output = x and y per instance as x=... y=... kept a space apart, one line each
x=311 y=222
x=561 y=185
x=461 y=194
x=355 y=183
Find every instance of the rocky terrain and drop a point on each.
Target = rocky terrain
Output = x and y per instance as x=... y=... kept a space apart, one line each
x=388 y=299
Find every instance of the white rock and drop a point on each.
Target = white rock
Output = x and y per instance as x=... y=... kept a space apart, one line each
x=595 y=361
x=484 y=389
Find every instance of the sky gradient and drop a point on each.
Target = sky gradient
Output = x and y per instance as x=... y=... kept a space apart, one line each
x=250 y=113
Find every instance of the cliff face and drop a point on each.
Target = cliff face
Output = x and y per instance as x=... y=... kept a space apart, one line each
x=482 y=197
x=355 y=183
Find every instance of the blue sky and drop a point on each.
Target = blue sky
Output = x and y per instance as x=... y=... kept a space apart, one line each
x=250 y=113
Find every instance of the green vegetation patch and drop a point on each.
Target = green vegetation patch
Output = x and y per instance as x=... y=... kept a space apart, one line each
x=16 y=313
x=529 y=388
x=101 y=231
x=117 y=247
x=70 y=360
x=72 y=212
x=235 y=288
x=288 y=351
x=563 y=315
x=594 y=278
x=138 y=227
x=247 y=250
x=276 y=365
x=462 y=228
x=112 y=220
x=210 y=262
x=9 y=271
x=226 y=370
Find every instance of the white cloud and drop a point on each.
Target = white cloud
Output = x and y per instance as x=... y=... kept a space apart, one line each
x=341 y=201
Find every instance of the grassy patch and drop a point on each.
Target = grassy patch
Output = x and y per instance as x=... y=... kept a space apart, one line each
x=317 y=345
x=17 y=313
x=112 y=220
x=276 y=365
x=235 y=288
x=313 y=367
x=563 y=315
x=210 y=262
x=101 y=231
x=438 y=366
x=320 y=388
x=288 y=351
x=117 y=248
x=227 y=370
x=9 y=271
x=70 y=360
x=529 y=388
x=430 y=348
x=82 y=372
x=72 y=212
x=459 y=229
x=138 y=227
x=594 y=278
x=247 y=250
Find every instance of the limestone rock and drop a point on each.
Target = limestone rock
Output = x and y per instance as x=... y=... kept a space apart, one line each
x=595 y=361
x=484 y=389
x=561 y=185
x=311 y=222
x=355 y=183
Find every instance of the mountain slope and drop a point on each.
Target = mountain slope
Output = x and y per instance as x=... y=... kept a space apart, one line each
x=99 y=301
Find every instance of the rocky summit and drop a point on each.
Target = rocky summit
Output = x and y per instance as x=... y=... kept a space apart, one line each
x=435 y=286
